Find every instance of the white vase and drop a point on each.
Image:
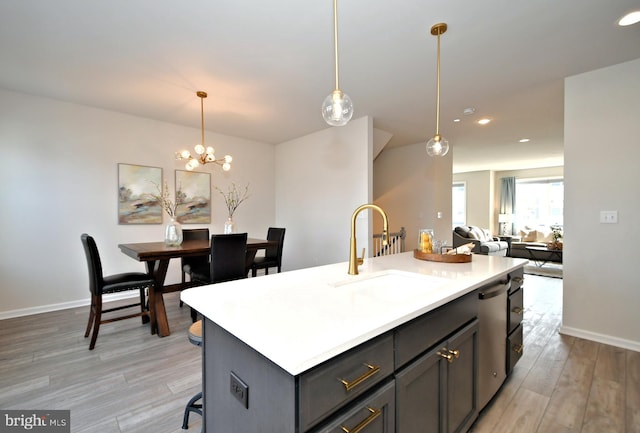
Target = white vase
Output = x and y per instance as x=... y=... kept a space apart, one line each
x=229 y=226
x=173 y=233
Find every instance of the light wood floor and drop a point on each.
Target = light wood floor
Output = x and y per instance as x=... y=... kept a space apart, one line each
x=136 y=382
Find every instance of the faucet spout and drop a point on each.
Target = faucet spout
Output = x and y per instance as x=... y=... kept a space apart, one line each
x=354 y=260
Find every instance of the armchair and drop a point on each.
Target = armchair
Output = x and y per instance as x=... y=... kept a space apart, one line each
x=484 y=242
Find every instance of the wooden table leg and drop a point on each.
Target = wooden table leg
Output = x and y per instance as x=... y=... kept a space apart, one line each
x=159 y=322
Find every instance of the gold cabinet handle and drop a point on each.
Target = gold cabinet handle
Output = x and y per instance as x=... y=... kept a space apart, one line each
x=518 y=348
x=518 y=280
x=518 y=310
x=374 y=413
x=447 y=356
x=371 y=370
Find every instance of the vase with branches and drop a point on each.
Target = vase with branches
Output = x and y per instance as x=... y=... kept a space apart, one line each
x=233 y=198
x=173 y=230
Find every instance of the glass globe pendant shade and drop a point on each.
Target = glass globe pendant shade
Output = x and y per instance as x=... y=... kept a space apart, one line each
x=337 y=108
x=437 y=146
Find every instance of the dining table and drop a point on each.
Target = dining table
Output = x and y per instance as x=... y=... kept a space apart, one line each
x=157 y=255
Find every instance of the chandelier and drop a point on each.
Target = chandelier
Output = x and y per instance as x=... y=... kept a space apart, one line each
x=438 y=145
x=337 y=108
x=204 y=155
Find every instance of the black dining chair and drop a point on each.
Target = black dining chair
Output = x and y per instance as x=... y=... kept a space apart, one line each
x=189 y=263
x=273 y=255
x=100 y=285
x=228 y=263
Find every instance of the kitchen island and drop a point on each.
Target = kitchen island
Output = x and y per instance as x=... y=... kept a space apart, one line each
x=316 y=349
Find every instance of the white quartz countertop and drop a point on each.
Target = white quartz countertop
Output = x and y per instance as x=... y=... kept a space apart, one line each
x=301 y=318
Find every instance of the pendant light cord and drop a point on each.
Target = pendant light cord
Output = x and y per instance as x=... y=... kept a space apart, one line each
x=438 y=89
x=335 y=38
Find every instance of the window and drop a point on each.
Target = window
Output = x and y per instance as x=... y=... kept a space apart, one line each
x=459 y=204
x=539 y=202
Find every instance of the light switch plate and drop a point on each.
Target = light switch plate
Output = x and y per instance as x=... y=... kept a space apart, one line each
x=608 y=217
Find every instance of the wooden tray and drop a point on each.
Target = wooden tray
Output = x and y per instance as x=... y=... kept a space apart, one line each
x=443 y=258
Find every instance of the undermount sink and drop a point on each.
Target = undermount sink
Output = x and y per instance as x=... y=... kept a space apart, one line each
x=392 y=285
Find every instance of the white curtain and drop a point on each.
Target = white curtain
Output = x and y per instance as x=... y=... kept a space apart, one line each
x=508 y=200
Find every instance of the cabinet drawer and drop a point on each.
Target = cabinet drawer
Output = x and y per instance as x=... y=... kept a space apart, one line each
x=514 y=348
x=515 y=309
x=422 y=333
x=375 y=414
x=516 y=279
x=340 y=380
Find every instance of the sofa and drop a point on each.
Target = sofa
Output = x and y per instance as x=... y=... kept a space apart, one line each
x=539 y=236
x=484 y=242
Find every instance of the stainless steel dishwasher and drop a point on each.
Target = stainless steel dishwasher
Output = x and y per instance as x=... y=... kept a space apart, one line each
x=492 y=336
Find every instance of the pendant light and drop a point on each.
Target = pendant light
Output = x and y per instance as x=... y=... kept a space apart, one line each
x=438 y=145
x=337 y=108
x=204 y=155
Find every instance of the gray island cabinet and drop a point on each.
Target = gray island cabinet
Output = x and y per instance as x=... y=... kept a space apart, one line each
x=394 y=349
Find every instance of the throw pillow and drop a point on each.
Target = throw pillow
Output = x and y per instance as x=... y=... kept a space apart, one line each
x=546 y=235
x=477 y=233
x=528 y=235
x=462 y=231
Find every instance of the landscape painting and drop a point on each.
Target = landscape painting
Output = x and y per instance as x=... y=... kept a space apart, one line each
x=136 y=186
x=193 y=195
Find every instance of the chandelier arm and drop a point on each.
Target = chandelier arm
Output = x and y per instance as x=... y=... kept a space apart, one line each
x=335 y=39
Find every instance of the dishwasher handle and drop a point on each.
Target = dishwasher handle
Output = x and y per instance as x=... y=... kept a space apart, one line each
x=494 y=290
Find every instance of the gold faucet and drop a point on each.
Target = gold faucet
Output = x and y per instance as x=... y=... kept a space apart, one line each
x=354 y=260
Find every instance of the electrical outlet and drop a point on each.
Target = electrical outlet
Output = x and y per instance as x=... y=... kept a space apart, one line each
x=608 y=217
x=239 y=389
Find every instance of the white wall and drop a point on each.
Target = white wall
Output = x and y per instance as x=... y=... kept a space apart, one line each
x=58 y=178
x=412 y=188
x=602 y=160
x=480 y=198
x=321 y=179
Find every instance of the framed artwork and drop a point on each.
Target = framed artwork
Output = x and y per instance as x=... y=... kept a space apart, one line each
x=136 y=185
x=193 y=195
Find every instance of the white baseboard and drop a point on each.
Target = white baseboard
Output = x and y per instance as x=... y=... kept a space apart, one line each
x=63 y=306
x=601 y=338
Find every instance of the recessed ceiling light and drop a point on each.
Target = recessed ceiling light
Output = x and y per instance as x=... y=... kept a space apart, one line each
x=456 y=120
x=484 y=121
x=629 y=19
x=468 y=111
x=524 y=140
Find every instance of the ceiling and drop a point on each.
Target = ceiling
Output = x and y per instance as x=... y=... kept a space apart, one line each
x=267 y=66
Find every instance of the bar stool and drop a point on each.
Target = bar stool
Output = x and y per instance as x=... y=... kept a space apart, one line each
x=195 y=337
